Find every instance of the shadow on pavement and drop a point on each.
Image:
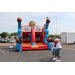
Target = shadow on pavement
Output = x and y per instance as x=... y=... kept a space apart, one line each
x=46 y=60
x=13 y=50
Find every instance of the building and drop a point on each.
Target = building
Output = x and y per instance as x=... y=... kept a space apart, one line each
x=68 y=37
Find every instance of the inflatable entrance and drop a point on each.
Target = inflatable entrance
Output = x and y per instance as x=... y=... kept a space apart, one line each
x=34 y=37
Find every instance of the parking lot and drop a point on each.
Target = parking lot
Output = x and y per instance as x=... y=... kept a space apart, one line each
x=6 y=55
x=7 y=44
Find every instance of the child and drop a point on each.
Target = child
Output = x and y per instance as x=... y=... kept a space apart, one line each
x=52 y=47
x=20 y=41
x=57 y=51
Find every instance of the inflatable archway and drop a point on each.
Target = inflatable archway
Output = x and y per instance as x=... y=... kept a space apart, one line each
x=34 y=37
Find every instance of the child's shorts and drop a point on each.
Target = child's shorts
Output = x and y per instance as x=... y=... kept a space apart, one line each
x=53 y=49
x=57 y=52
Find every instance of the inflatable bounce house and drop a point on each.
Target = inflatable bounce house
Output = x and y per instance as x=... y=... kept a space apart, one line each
x=34 y=37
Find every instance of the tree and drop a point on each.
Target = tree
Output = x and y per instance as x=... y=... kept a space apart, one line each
x=51 y=36
x=15 y=37
x=14 y=34
x=58 y=36
x=7 y=34
x=4 y=34
x=9 y=37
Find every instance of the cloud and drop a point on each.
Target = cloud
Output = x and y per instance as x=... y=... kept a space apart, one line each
x=40 y=13
x=58 y=28
x=73 y=31
x=43 y=22
x=1 y=12
x=0 y=24
x=58 y=14
x=9 y=19
x=70 y=14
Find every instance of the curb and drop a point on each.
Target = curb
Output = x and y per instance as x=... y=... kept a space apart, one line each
x=67 y=44
x=6 y=46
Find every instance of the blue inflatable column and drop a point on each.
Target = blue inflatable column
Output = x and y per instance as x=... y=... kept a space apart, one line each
x=46 y=35
x=47 y=31
x=19 y=33
x=19 y=29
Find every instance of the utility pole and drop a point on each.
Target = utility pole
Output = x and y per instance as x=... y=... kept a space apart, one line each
x=56 y=26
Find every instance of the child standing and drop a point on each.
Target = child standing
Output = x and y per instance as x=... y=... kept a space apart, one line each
x=52 y=48
x=20 y=41
x=57 y=51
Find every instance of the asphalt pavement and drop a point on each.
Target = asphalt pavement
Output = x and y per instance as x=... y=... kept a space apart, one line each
x=6 y=55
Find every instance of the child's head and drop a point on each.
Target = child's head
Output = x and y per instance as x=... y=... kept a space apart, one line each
x=51 y=40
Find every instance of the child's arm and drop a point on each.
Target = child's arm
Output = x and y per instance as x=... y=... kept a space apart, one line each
x=20 y=42
x=58 y=40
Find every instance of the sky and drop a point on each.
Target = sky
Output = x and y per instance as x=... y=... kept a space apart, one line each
x=60 y=21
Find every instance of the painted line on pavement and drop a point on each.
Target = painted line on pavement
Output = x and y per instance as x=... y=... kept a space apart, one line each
x=2 y=51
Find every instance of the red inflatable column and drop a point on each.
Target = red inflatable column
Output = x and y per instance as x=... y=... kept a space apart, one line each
x=33 y=35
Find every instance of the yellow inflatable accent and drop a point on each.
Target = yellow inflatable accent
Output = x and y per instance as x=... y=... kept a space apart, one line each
x=21 y=25
x=32 y=24
x=34 y=46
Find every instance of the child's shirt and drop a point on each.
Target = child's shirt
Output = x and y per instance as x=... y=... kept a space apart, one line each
x=58 y=45
x=54 y=45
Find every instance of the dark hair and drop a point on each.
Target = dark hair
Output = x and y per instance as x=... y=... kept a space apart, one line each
x=55 y=45
x=51 y=40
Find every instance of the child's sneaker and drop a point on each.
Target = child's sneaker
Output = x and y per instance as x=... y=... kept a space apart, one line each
x=54 y=58
x=58 y=60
